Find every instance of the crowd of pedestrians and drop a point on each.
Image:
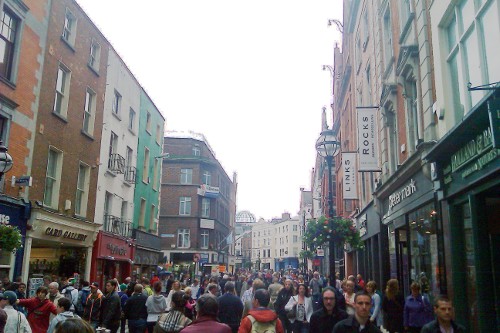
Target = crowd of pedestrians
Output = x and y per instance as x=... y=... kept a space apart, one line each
x=281 y=302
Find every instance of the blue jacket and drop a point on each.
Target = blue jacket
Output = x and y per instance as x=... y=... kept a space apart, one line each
x=417 y=311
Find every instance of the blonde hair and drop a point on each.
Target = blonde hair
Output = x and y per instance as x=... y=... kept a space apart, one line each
x=372 y=284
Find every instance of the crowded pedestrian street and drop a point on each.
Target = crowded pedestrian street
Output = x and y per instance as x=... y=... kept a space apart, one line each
x=264 y=166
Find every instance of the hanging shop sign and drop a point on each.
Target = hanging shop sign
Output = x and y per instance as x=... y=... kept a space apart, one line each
x=208 y=191
x=494 y=115
x=362 y=227
x=367 y=140
x=349 y=179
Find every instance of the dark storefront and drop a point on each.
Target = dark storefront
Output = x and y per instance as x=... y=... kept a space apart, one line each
x=467 y=174
x=16 y=213
x=112 y=258
x=413 y=227
x=147 y=255
x=372 y=261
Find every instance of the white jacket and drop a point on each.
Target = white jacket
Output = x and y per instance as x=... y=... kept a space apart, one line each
x=307 y=303
x=15 y=320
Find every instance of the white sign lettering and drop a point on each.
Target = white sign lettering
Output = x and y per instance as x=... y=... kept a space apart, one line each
x=349 y=176
x=367 y=140
x=402 y=194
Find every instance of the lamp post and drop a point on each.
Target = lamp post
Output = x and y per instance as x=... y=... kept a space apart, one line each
x=328 y=147
x=5 y=160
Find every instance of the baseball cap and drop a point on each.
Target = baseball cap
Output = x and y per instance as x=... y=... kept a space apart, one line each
x=94 y=284
x=10 y=296
x=123 y=287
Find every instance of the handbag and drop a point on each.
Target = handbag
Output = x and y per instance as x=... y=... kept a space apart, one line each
x=291 y=314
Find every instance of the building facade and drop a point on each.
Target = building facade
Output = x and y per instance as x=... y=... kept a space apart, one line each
x=22 y=52
x=66 y=146
x=198 y=206
x=243 y=238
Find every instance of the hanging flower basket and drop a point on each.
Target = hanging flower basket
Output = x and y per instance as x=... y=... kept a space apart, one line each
x=10 y=238
x=341 y=230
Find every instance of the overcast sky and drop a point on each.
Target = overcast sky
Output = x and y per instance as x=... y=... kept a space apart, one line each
x=246 y=74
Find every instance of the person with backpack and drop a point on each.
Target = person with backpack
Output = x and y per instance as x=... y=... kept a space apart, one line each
x=82 y=298
x=63 y=313
x=261 y=319
x=72 y=294
x=16 y=320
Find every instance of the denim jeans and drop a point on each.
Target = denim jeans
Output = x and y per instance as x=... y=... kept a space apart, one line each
x=137 y=326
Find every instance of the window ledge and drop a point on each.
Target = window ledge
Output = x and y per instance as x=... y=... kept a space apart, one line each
x=406 y=28
x=132 y=131
x=111 y=173
x=87 y=134
x=116 y=116
x=147 y=131
x=93 y=70
x=68 y=44
x=9 y=83
x=127 y=183
x=60 y=116
x=145 y=182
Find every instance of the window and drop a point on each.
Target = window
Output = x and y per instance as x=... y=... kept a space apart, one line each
x=8 y=35
x=142 y=213
x=411 y=112
x=387 y=38
x=204 y=238
x=124 y=211
x=392 y=134
x=159 y=133
x=95 y=55
x=294 y=227
x=368 y=84
x=186 y=176
x=205 y=207
x=185 y=206
x=89 y=112
x=152 y=225
x=148 y=122
x=366 y=29
x=62 y=91
x=196 y=151
x=82 y=189
x=131 y=119
x=155 y=173
x=4 y=128
x=113 y=147
x=117 y=102
x=183 y=239
x=295 y=238
x=108 y=204
x=145 y=169
x=69 y=29
x=405 y=11
x=473 y=48
x=207 y=177
x=53 y=178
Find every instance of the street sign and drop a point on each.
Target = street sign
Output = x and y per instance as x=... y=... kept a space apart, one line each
x=167 y=235
x=22 y=181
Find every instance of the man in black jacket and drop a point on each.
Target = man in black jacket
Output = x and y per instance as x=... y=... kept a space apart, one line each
x=92 y=310
x=230 y=307
x=360 y=321
x=135 y=310
x=323 y=320
x=111 y=308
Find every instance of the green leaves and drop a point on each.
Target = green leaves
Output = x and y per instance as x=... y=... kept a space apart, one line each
x=341 y=230
x=10 y=238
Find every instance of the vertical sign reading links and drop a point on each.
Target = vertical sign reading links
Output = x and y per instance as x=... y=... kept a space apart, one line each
x=367 y=139
x=349 y=176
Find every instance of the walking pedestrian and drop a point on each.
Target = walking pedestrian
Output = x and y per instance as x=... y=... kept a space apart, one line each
x=135 y=311
x=39 y=310
x=417 y=310
x=284 y=296
x=444 y=318
x=324 y=319
x=207 y=309
x=111 y=308
x=230 y=307
x=392 y=307
x=304 y=310
x=93 y=304
x=174 y=320
x=63 y=313
x=156 y=305
x=360 y=321
x=375 y=309
x=261 y=318
x=16 y=320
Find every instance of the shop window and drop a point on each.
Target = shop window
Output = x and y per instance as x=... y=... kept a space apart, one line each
x=424 y=250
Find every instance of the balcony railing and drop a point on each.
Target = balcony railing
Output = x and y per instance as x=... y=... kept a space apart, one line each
x=116 y=163
x=117 y=226
x=130 y=174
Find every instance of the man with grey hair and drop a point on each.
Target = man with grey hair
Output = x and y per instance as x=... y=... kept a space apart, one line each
x=206 y=321
x=230 y=307
x=54 y=295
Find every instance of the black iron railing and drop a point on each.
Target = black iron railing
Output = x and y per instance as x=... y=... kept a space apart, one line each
x=117 y=226
x=116 y=163
x=130 y=174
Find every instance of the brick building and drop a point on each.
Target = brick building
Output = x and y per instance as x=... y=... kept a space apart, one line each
x=197 y=206
x=67 y=144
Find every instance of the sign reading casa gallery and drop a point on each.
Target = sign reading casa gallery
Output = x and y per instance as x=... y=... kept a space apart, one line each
x=367 y=140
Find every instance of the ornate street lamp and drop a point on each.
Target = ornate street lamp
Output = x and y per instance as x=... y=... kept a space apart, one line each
x=5 y=160
x=328 y=147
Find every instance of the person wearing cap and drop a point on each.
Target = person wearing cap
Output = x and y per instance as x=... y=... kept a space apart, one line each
x=92 y=311
x=16 y=320
x=39 y=310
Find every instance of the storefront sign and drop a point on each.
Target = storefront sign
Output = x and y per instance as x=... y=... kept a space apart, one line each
x=146 y=257
x=65 y=234
x=402 y=194
x=494 y=115
x=320 y=252
x=114 y=249
x=349 y=176
x=4 y=219
x=207 y=224
x=367 y=140
x=146 y=239
x=472 y=150
x=208 y=191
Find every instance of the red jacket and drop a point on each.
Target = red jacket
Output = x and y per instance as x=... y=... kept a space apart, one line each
x=206 y=324
x=38 y=313
x=261 y=315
